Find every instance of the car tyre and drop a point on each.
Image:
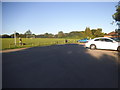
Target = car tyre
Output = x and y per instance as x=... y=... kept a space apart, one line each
x=118 y=49
x=92 y=47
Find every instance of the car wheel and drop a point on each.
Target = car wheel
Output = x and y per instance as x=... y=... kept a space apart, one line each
x=92 y=47
x=118 y=49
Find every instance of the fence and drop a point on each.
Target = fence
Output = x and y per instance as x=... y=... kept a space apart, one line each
x=8 y=43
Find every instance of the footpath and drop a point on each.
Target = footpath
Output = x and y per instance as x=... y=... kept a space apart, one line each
x=18 y=49
x=12 y=50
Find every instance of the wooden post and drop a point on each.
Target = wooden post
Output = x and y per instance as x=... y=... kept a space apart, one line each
x=15 y=37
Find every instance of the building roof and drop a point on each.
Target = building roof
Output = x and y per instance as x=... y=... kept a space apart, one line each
x=112 y=34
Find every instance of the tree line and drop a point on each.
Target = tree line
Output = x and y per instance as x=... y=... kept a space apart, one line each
x=116 y=17
x=87 y=33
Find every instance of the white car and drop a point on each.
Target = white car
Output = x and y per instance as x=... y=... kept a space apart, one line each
x=104 y=43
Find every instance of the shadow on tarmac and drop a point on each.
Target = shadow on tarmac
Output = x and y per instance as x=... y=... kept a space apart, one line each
x=58 y=66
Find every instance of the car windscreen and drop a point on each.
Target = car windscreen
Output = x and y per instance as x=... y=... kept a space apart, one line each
x=116 y=39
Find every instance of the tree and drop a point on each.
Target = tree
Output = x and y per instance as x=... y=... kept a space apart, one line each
x=6 y=36
x=48 y=35
x=17 y=35
x=99 y=33
x=28 y=34
x=0 y=36
x=88 y=33
x=93 y=33
x=22 y=35
x=39 y=36
x=60 y=34
x=76 y=34
x=56 y=36
x=12 y=35
x=116 y=17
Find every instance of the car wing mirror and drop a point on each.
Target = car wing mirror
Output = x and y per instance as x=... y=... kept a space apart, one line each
x=113 y=41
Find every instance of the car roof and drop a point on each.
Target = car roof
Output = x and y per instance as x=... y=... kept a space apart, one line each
x=102 y=37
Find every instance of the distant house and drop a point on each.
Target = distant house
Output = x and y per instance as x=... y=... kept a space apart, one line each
x=111 y=34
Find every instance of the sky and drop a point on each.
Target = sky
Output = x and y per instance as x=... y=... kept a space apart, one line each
x=52 y=17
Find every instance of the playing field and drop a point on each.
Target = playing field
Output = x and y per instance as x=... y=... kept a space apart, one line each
x=9 y=43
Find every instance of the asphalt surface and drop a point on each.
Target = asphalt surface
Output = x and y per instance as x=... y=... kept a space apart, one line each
x=60 y=66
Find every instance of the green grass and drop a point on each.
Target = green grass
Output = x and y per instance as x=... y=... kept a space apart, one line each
x=8 y=43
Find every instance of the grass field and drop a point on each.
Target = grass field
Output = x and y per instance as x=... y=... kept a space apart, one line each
x=8 y=43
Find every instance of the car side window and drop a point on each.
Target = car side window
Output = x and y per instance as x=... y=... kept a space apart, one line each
x=97 y=40
x=102 y=39
x=108 y=40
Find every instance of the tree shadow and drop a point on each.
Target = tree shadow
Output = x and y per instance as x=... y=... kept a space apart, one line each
x=59 y=66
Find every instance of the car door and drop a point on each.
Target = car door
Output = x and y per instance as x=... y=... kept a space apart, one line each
x=107 y=43
x=110 y=44
x=102 y=43
x=98 y=43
